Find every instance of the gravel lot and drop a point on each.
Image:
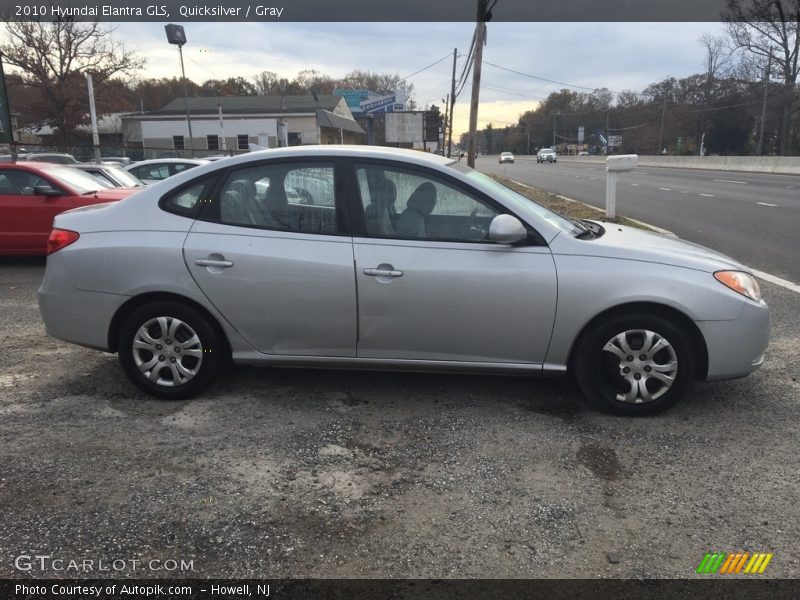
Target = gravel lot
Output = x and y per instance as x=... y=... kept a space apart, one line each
x=289 y=473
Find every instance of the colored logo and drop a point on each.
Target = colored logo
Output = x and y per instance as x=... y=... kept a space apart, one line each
x=739 y=562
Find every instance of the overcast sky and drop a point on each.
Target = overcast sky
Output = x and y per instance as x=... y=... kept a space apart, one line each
x=618 y=56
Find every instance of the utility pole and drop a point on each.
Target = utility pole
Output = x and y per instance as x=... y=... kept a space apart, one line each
x=452 y=104
x=480 y=26
x=446 y=123
x=555 y=114
x=93 y=116
x=661 y=131
x=760 y=150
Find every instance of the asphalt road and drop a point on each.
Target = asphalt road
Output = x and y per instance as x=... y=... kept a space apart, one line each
x=754 y=218
x=297 y=473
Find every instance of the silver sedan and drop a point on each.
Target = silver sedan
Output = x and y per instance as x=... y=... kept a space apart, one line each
x=375 y=258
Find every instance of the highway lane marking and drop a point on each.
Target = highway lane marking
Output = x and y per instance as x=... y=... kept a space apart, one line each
x=665 y=189
x=766 y=204
x=731 y=181
x=684 y=192
x=592 y=177
x=635 y=184
x=777 y=281
x=708 y=195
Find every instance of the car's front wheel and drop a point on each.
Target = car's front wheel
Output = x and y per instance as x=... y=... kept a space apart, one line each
x=170 y=350
x=637 y=364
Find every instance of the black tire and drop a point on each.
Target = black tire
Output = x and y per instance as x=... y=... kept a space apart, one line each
x=599 y=372
x=209 y=348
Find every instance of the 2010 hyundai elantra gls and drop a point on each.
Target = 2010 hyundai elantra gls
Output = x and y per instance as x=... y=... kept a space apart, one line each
x=376 y=258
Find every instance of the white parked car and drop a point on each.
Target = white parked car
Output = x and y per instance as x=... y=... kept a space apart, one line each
x=150 y=171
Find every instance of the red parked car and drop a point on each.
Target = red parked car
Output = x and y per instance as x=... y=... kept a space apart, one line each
x=32 y=194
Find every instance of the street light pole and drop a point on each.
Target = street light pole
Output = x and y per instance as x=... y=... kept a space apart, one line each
x=177 y=36
x=186 y=99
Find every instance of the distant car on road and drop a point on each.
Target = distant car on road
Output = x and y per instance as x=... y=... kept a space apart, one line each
x=506 y=157
x=546 y=155
x=583 y=153
x=379 y=258
x=111 y=175
x=157 y=169
x=32 y=194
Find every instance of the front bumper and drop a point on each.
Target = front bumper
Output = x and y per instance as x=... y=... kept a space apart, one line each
x=736 y=348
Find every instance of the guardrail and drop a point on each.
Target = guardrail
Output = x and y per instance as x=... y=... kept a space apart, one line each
x=782 y=165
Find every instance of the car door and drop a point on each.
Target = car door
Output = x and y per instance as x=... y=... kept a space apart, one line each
x=26 y=219
x=431 y=286
x=280 y=270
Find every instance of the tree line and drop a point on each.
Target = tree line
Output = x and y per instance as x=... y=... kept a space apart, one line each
x=746 y=100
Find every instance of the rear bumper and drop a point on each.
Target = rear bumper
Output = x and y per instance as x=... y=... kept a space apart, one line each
x=74 y=315
x=736 y=348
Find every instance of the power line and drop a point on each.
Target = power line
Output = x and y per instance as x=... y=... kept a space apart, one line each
x=433 y=64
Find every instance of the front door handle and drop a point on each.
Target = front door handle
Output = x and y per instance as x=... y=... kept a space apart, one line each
x=383 y=272
x=210 y=262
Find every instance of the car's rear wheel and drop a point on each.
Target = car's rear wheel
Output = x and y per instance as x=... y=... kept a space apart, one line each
x=636 y=364
x=169 y=350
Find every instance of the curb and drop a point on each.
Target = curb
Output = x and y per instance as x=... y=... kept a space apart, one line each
x=659 y=230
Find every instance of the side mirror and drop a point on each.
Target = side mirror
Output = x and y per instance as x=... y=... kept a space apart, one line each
x=506 y=229
x=46 y=190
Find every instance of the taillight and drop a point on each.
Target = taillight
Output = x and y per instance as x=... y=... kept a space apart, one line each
x=60 y=238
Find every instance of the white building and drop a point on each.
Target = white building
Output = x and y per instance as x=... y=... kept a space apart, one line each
x=269 y=121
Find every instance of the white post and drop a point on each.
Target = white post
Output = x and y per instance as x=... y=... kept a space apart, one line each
x=615 y=165
x=93 y=114
x=611 y=195
x=224 y=146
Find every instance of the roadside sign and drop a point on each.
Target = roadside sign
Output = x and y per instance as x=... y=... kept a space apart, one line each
x=580 y=134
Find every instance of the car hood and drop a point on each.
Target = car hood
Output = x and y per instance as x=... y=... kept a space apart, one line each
x=631 y=243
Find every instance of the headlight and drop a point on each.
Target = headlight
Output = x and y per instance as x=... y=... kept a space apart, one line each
x=741 y=282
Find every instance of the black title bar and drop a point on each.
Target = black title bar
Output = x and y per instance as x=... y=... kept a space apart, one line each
x=363 y=10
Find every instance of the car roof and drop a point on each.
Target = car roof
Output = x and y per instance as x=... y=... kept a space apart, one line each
x=354 y=151
x=35 y=165
x=152 y=161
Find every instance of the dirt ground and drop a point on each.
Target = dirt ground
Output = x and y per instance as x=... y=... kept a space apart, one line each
x=291 y=473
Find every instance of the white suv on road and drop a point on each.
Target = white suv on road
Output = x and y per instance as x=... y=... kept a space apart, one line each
x=546 y=154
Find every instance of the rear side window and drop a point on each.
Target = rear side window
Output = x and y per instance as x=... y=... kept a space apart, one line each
x=296 y=197
x=189 y=199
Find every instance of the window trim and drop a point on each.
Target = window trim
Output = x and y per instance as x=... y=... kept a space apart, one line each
x=357 y=208
x=210 y=210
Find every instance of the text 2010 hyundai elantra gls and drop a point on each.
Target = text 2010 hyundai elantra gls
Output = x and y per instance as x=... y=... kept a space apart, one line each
x=364 y=257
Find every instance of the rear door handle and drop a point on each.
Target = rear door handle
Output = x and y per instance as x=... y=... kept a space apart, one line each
x=383 y=273
x=209 y=262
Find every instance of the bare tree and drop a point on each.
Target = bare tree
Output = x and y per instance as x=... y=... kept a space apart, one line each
x=55 y=56
x=770 y=29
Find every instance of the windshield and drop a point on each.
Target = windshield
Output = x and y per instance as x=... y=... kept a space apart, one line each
x=80 y=182
x=519 y=202
x=126 y=179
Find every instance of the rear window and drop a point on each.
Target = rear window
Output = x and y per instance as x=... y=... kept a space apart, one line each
x=188 y=199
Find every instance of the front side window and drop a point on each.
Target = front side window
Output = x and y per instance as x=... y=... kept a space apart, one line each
x=19 y=183
x=410 y=204
x=292 y=197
